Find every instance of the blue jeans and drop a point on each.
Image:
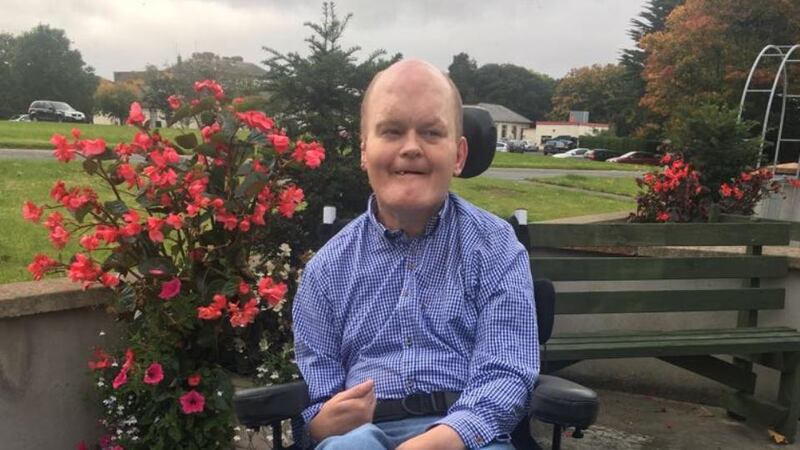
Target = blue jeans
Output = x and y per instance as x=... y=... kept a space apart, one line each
x=388 y=435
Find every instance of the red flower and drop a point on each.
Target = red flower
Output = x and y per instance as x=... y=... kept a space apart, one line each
x=229 y=220
x=109 y=280
x=133 y=227
x=59 y=237
x=737 y=193
x=279 y=142
x=193 y=380
x=120 y=379
x=209 y=131
x=794 y=182
x=256 y=120
x=106 y=233
x=288 y=201
x=244 y=288
x=192 y=402
x=174 y=101
x=40 y=265
x=154 y=225
x=170 y=289
x=129 y=359
x=663 y=217
x=725 y=190
x=93 y=147
x=128 y=173
x=143 y=141
x=175 y=221
x=124 y=151
x=258 y=214
x=244 y=225
x=58 y=190
x=83 y=269
x=154 y=374
x=746 y=176
x=64 y=152
x=241 y=317
x=135 y=115
x=54 y=220
x=102 y=360
x=31 y=212
x=214 y=310
x=211 y=86
x=90 y=242
x=311 y=153
x=271 y=291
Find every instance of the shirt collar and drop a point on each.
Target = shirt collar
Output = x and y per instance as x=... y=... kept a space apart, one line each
x=430 y=226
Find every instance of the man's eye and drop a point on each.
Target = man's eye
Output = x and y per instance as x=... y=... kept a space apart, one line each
x=433 y=133
x=390 y=132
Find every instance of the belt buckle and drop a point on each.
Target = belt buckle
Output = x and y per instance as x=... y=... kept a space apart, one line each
x=409 y=410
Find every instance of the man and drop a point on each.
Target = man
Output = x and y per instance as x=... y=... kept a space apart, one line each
x=422 y=293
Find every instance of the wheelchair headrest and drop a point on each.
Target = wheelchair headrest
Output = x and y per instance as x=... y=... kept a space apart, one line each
x=481 y=137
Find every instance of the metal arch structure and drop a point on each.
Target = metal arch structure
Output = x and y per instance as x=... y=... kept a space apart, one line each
x=787 y=54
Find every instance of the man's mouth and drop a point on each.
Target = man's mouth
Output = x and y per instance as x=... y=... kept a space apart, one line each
x=407 y=172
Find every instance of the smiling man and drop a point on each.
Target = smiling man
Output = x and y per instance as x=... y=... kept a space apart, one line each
x=415 y=325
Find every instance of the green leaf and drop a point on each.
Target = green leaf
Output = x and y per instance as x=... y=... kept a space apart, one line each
x=206 y=149
x=231 y=287
x=80 y=214
x=250 y=103
x=251 y=185
x=126 y=300
x=245 y=169
x=146 y=202
x=187 y=141
x=90 y=166
x=179 y=114
x=116 y=207
x=117 y=261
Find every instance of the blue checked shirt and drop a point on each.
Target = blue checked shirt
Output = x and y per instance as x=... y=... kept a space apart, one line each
x=450 y=310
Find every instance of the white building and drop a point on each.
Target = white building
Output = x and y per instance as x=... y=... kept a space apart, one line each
x=510 y=125
x=544 y=131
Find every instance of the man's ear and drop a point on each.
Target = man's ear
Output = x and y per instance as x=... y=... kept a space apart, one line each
x=363 y=154
x=462 y=150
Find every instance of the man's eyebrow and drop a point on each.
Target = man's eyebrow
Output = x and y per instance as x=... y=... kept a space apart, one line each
x=387 y=123
x=436 y=122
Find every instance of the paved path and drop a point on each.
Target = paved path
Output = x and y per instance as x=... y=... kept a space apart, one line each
x=21 y=153
x=521 y=174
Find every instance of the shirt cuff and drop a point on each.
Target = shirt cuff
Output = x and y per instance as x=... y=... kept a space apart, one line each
x=473 y=430
x=308 y=415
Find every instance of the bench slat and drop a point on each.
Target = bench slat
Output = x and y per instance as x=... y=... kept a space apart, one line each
x=657 y=234
x=645 y=268
x=705 y=342
x=681 y=335
x=605 y=302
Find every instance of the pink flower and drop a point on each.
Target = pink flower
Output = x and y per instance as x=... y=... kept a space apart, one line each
x=64 y=152
x=288 y=201
x=211 y=86
x=170 y=289
x=271 y=291
x=40 y=265
x=174 y=101
x=154 y=225
x=279 y=142
x=90 y=242
x=31 y=212
x=102 y=360
x=154 y=374
x=311 y=153
x=241 y=317
x=59 y=237
x=83 y=269
x=109 y=280
x=121 y=378
x=193 y=380
x=76 y=133
x=214 y=310
x=663 y=217
x=93 y=147
x=175 y=221
x=192 y=402
x=135 y=116
x=256 y=120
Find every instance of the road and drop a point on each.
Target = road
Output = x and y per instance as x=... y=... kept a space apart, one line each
x=505 y=174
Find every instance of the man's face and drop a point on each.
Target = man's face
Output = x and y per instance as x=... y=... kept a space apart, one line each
x=409 y=149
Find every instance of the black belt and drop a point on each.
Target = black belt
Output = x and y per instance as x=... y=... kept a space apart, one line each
x=432 y=404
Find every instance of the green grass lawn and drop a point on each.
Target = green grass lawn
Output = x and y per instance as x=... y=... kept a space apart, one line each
x=22 y=180
x=502 y=197
x=539 y=161
x=611 y=185
x=36 y=135
x=21 y=240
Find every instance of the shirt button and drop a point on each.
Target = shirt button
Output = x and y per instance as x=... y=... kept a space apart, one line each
x=478 y=439
x=407 y=342
x=409 y=384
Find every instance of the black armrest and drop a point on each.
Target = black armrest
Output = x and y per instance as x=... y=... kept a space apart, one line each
x=561 y=402
x=265 y=405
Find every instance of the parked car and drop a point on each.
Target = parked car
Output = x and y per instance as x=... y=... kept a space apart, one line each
x=54 y=111
x=501 y=147
x=637 y=158
x=527 y=146
x=574 y=153
x=600 y=154
x=515 y=146
x=554 y=146
x=20 y=118
x=571 y=141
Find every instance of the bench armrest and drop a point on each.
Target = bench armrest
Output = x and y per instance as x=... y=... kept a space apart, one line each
x=561 y=402
x=265 y=405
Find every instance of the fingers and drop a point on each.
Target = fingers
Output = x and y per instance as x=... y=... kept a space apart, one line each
x=364 y=389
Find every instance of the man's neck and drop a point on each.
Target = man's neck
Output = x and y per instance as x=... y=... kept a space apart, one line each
x=412 y=222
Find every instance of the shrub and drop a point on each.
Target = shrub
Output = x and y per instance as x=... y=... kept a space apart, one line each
x=672 y=195
x=175 y=244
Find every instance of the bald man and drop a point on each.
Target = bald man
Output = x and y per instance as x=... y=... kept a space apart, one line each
x=415 y=326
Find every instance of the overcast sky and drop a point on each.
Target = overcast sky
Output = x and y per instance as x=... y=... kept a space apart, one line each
x=549 y=36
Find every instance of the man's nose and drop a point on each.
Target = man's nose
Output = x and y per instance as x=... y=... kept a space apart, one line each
x=411 y=145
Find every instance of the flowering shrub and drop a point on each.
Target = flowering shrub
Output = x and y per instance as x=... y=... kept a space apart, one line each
x=673 y=195
x=677 y=195
x=741 y=194
x=174 y=242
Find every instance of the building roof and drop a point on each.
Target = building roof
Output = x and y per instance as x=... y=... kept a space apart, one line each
x=500 y=113
x=580 y=124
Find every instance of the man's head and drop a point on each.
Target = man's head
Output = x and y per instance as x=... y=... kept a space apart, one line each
x=412 y=138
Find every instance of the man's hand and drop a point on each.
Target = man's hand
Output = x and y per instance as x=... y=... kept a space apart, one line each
x=439 y=437
x=344 y=412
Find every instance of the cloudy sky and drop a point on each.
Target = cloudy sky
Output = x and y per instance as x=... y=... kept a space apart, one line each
x=549 y=36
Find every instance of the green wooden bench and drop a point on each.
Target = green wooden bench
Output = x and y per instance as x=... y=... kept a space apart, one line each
x=611 y=252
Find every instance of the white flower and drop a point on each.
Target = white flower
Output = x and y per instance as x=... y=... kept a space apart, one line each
x=102 y=333
x=219 y=393
x=100 y=383
x=285 y=249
